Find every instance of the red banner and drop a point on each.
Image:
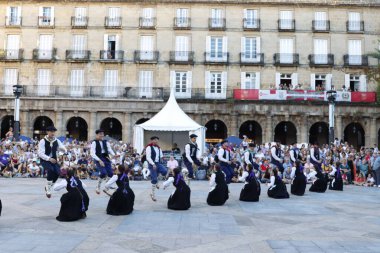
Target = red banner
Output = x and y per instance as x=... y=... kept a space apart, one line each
x=246 y=94
x=364 y=97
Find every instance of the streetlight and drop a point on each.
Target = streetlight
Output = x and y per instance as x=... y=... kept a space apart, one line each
x=331 y=97
x=17 y=91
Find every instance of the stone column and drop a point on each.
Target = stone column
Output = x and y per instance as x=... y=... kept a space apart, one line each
x=304 y=130
x=61 y=131
x=93 y=125
x=128 y=127
x=373 y=133
x=269 y=136
x=25 y=124
x=234 y=126
x=338 y=127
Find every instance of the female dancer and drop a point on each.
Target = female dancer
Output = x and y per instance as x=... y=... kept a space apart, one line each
x=320 y=184
x=180 y=198
x=299 y=180
x=122 y=200
x=277 y=189
x=337 y=182
x=218 y=194
x=251 y=190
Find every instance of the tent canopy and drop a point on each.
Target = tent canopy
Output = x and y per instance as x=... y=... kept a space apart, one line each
x=171 y=118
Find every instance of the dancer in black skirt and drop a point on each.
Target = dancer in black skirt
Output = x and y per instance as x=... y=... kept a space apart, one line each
x=277 y=188
x=180 y=198
x=299 y=180
x=218 y=194
x=1 y=207
x=251 y=189
x=74 y=203
x=320 y=184
x=123 y=199
x=337 y=182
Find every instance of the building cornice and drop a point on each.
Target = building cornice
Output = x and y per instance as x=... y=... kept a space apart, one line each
x=299 y=3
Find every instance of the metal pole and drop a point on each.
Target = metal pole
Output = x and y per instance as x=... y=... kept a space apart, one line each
x=331 y=122
x=17 y=119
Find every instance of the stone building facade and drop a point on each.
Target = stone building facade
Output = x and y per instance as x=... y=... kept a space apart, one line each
x=90 y=64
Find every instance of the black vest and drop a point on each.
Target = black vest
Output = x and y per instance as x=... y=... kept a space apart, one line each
x=278 y=154
x=98 y=149
x=153 y=154
x=51 y=148
x=316 y=153
x=296 y=153
x=193 y=152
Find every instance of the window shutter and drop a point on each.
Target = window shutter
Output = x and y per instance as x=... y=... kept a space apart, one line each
x=117 y=46
x=52 y=15
x=8 y=15
x=41 y=11
x=312 y=81
x=242 y=80
x=278 y=80
x=347 y=81
x=294 y=80
x=328 y=81
x=224 y=81
x=189 y=81
x=225 y=47
x=208 y=44
x=105 y=41
x=207 y=81
x=242 y=43
x=363 y=83
x=258 y=45
x=172 y=80
x=257 y=81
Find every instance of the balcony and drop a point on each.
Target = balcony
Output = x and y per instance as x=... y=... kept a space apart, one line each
x=181 y=57
x=146 y=56
x=355 y=61
x=321 y=60
x=147 y=23
x=251 y=24
x=111 y=56
x=217 y=24
x=216 y=58
x=44 y=55
x=284 y=60
x=79 y=22
x=251 y=59
x=45 y=22
x=78 y=55
x=321 y=26
x=11 y=55
x=113 y=23
x=182 y=24
x=11 y=21
x=355 y=26
x=286 y=25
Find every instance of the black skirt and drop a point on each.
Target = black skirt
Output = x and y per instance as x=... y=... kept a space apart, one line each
x=180 y=199
x=121 y=202
x=299 y=185
x=320 y=185
x=71 y=206
x=278 y=191
x=219 y=195
x=1 y=207
x=251 y=191
x=336 y=184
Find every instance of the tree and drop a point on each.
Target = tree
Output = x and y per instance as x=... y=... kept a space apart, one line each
x=373 y=73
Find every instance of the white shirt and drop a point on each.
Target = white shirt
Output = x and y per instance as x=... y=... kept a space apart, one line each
x=148 y=152
x=274 y=155
x=41 y=149
x=221 y=153
x=243 y=177
x=272 y=180
x=312 y=155
x=63 y=184
x=110 y=182
x=93 y=150
x=188 y=155
x=172 y=164
x=212 y=181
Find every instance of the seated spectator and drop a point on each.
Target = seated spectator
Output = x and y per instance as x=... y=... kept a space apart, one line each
x=346 y=171
x=310 y=174
x=266 y=176
x=287 y=163
x=23 y=171
x=370 y=181
x=34 y=169
x=286 y=177
x=172 y=164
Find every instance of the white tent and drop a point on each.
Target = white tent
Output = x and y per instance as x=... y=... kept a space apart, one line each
x=171 y=125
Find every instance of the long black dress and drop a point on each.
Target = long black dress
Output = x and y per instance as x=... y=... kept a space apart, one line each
x=320 y=185
x=74 y=203
x=219 y=195
x=180 y=199
x=1 y=207
x=337 y=182
x=278 y=190
x=251 y=190
x=299 y=183
x=123 y=199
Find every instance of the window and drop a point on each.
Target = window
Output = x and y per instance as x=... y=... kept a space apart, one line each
x=114 y=16
x=111 y=82
x=286 y=20
x=217 y=18
x=43 y=81
x=320 y=82
x=111 y=46
x=320 y=51
x=182 y=17
x=181 y=48
x=320 y=21
x=146 y=47
x=285 y=81
x=46 y=16
x=13 y=16
x=250 y=48
x=354 y=21
x=80 y=18
x=181 y=82
x=250 y=18
x=79 y=46
x=216 y=83
x=355 y=82
x=10 y=79
x=216 y=49
x=13 y=46
x=147 y=17
x=355 y=52
x=77 y=82
x=145 y=83
x=250 y=80
x=45 y=48
x=286 y=50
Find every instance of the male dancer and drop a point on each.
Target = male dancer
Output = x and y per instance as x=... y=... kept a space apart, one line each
x=224 y=157
x=276 y=157
x=100 y=151
x=154 y=154
x=47 y=151
x=249 y=157
x=315 y=158
x=190 y=157
x=294 y=153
